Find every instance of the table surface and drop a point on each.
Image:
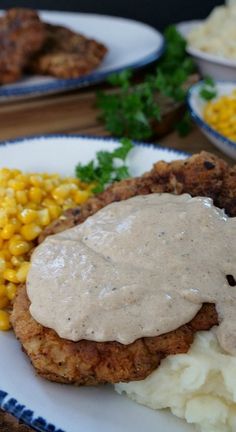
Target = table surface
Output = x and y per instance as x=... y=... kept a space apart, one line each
x=73 y=113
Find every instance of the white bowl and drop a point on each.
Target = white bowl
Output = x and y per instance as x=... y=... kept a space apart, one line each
x=196 y=105
x=219 y=68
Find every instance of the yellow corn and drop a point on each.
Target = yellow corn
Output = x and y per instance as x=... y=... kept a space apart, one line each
x=21 y=197
x=11 y=290
x=2 y=291
x=10 y=275
x=19 y=247
x=44 y=217
x=4 y=320
x=28 y=215
x=81 y=196
x=8 y=231
x=28 y=203
x=221 y=115
x=30 y=231
x=22 y=272
x=35 y=195
x=4 y=301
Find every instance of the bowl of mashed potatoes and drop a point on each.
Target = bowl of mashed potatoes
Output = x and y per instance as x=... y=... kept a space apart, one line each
x=212 y=42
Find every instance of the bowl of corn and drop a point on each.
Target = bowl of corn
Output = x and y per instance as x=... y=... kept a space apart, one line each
x=217 y=117
x=28 y=203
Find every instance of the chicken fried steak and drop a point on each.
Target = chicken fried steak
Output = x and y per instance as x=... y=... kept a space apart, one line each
x=67 y=54
x=89 y=362
x=21 y=35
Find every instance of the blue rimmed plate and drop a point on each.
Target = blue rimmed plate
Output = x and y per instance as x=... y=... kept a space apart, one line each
x=131 y=44
x=196 y=107
x=54 y=407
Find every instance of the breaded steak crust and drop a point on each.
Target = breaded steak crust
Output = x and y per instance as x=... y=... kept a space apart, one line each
x=88 y=362
x=21 y=35
x=67 y=54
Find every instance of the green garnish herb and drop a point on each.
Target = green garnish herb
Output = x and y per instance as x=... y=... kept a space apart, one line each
x=175 y=66
x=107 y=167
x=185 y=125
x=208 y=89
x=132 y=110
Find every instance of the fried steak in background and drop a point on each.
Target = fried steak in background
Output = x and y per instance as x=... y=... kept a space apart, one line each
x=21 y=35
x=87 y=362
x=28 y=44
x=66 y=54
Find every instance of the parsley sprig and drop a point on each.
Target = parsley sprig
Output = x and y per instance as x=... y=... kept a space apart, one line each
x=106 y=168
x=208 y=89
x=134 y=109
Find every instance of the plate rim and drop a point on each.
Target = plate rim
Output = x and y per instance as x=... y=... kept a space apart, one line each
x=26 y=138
x=7 y=401
x=59 y=85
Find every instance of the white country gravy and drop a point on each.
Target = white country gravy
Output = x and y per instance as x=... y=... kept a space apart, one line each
x=140 y=267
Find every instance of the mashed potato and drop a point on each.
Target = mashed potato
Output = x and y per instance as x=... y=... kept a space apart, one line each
x=217 y=35
x=199 y=386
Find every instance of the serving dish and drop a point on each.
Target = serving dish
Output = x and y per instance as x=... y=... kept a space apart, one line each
x=196 y=105
x=212 y=65
x=53 y=407
x=131 y=44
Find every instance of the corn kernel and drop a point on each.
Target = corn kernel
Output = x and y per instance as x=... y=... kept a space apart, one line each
x=48 y=185
x=61 y=192
x=4 y=302
x=3 y=292
x=30 y=231
x=16 y=185
x=8 y=231
x=36 y=180
x=23 y=271
x=35 y=194
x=44 y=217
x=28 y=215
x=3 y=218
x=11 y=290
x=16 y=224
x=21 y=197
x=2 y=264
x=5 y=173
x=15 y=172
x=17 y=260
x=6 y=255
x=81 y=196
x=4 y=321
x=54 y=211
x=19 y=247
x=10 y=275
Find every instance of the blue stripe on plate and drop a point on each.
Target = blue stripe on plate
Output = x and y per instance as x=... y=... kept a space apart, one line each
x=92 y=137
x=24 y=414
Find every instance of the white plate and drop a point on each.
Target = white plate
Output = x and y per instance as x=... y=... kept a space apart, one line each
x=131 y=44
x=55 y=407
